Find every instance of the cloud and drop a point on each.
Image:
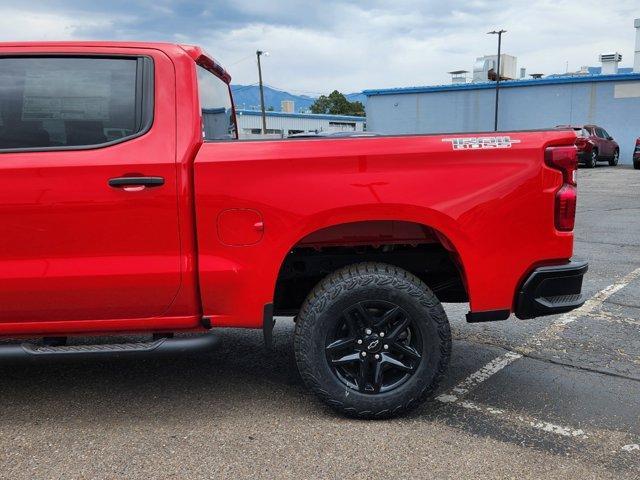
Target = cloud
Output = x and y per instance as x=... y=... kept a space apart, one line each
x=320 y=46
x=18 y=25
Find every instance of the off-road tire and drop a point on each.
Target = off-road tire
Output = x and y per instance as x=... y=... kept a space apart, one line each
x=358 y=283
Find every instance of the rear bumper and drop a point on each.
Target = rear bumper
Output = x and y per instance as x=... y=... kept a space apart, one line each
x=551 y=290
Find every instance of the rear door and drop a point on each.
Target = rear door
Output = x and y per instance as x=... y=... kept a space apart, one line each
x=609 y=147
x=87 y=186
x=603 y=142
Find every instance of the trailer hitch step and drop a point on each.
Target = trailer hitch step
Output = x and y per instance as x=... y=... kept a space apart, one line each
x=159 y=347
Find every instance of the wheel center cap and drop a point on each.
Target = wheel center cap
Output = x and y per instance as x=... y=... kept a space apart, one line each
x=373 y=343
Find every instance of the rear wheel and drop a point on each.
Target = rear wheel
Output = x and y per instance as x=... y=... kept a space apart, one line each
x=614 y=160
x=372 y=340
x=592 y=159
x=636 y=164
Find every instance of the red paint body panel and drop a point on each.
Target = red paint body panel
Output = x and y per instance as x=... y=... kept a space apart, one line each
x=494 y=206
x=79 y=256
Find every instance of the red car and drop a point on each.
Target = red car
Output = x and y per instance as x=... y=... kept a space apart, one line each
x=636 y=155
x=130 y=206
x=595 y=145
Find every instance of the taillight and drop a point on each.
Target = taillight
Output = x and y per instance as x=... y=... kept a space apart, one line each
x=564 y=159
x=638 y=145
x=565 y=210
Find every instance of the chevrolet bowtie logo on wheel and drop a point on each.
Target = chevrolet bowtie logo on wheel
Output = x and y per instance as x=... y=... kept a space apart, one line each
x=473 y=143
x=373 y=345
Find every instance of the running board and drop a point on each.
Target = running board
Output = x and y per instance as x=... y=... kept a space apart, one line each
x=162 y=346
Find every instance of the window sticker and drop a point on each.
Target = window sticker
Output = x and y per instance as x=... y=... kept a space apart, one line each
x=67 y=95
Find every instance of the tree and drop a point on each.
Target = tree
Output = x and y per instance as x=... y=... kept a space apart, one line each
x=337 y=104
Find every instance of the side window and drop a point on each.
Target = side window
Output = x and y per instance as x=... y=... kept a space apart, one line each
x=601 y=133
x=218 y=122
x=71 y=102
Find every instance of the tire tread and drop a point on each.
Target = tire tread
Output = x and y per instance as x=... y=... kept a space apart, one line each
x=365 y=274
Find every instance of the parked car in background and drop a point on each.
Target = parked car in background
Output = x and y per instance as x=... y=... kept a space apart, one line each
x=636 y=155
x=595 y=145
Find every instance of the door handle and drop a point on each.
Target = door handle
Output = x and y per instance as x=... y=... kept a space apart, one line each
x=122 y=182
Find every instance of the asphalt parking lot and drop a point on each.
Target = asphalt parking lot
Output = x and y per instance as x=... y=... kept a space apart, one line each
x=552 y=397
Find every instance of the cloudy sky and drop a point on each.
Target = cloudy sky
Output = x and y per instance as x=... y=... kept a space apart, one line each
x=317 y=46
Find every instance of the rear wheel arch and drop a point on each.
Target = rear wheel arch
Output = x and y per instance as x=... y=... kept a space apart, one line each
x=425 y=251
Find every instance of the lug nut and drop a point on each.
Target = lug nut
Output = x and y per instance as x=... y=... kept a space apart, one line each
x=377 y=357
x=359 y=341
x=386 y=347
x=368 y=331
x=364 y=354
x=381 y=334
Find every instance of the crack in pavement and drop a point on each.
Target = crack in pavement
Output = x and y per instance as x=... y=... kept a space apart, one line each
x=613 y=302
x=481 y=341
x=616 y=209
x=630 y=245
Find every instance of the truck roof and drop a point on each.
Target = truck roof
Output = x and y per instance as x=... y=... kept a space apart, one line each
x=199 y=55
x=89 y=43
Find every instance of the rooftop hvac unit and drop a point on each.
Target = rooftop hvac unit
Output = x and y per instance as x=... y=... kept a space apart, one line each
x=508 y=67
x=610 y=63
x=458 y=76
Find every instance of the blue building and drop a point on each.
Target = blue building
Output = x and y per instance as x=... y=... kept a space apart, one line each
x=611 y=101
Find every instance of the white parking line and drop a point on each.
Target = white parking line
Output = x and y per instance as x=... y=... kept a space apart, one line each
x=598 y=299
x=546 y=335
x=523 y=419
x=593 y=304
x=557 y=429
x=476 y=378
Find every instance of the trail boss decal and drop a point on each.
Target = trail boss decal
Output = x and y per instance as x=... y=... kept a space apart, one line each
x=474 y=143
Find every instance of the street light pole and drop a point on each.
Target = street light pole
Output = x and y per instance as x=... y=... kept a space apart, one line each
x=259 y=53
x=499 y=33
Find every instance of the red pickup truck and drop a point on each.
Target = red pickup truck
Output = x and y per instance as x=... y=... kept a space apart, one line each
x=128 y=206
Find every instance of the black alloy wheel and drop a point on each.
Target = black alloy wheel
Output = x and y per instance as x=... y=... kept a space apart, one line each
x=372 y=340
x=375 y=347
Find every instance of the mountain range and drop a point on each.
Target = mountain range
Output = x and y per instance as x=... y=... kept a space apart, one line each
x=248 y=97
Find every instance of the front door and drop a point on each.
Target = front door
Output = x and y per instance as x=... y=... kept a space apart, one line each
x=81 y=239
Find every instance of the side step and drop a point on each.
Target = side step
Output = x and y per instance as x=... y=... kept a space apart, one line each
x=160 y=347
